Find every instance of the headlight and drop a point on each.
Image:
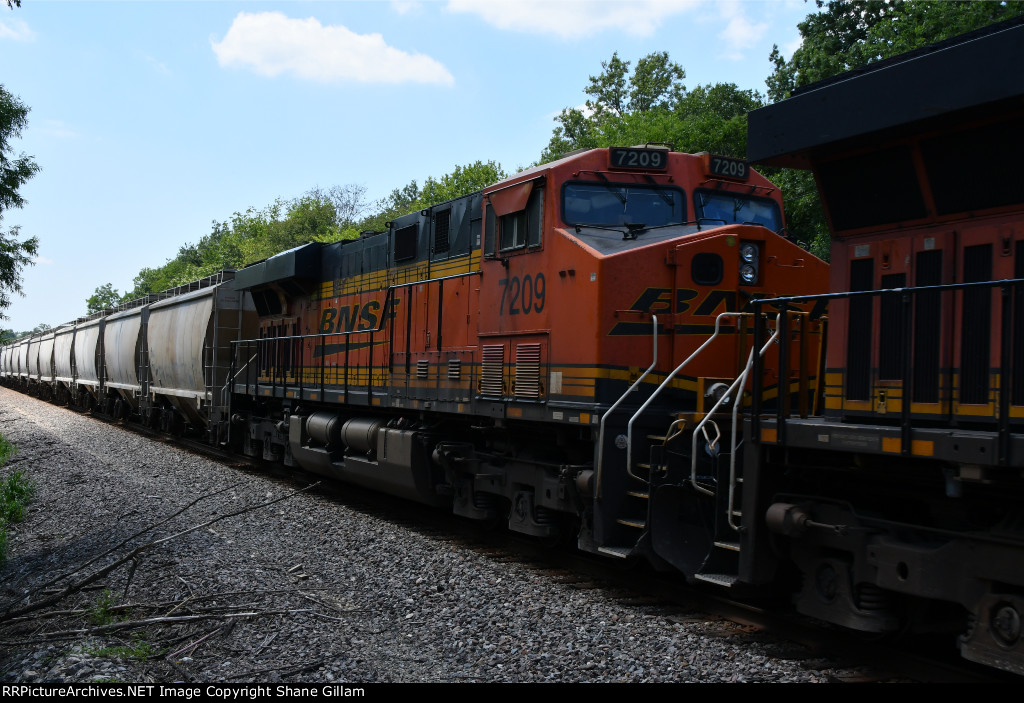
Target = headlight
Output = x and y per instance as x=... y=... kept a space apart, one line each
x=748 y=252
x=748 y=274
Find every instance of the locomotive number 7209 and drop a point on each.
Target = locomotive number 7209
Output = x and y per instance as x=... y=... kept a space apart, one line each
x=524 y=295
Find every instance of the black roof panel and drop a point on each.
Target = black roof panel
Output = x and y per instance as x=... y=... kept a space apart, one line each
x=971 y=71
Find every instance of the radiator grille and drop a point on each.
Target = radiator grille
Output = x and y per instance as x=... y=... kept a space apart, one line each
x=528 y=371
x=423 y=368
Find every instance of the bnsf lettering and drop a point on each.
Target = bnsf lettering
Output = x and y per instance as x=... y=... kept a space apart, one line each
x=356 y=318
x=658 y=301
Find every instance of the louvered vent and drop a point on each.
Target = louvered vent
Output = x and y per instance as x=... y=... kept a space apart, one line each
x=422 y=368
x=442 y=224
x=492 y=370
x=528 y=371
x=454 y=369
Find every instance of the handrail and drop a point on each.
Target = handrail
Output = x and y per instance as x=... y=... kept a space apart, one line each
x=380 y=325
x=604 y=418
x=736 y=385
x=668 y=379
x=231 y=380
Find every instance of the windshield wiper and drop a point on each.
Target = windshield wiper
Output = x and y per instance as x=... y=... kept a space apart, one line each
x=669 y=200
x=612 y=189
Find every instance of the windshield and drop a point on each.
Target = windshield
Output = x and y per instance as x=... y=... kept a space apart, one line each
x=613 y=205
x=734 y=208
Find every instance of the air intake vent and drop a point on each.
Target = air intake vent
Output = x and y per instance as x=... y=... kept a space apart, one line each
x=528 y=371
x=454 y=369
x=422 y=368
x=493 y=370
x=442 y=224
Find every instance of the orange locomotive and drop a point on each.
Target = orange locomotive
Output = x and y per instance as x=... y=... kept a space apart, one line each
x=560 y=350
x=899 y=507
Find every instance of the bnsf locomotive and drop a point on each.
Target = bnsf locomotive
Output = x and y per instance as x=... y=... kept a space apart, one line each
x=567 y=350
x=900 y=507
x=623 y=346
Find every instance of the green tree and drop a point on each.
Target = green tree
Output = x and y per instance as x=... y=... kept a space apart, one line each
x=847 y=34
x=656 y=82
x=461 y=181
x=843 y=35
x=15 y=170
x=652 y=105
x=104 y=298
x=623 y=107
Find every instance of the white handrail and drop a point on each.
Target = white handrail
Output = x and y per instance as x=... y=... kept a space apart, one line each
x=604 y=418
x=742 y=379
x=668 y=379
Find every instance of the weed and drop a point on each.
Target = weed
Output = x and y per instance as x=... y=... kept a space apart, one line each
x=15 y=493
x=138 y=649
x=101 y=613
x=7 y=450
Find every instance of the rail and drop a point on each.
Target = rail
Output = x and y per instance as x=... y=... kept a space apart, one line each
x=964 y=316
x=664 y=384
x=734 y=390
x=281 y=369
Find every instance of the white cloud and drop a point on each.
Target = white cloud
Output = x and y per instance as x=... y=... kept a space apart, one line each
x=56 y=128
x=268 y=43
x=43 y=260
x=158 y=66
x=574 y=18
x=16 y=30
x=741 y=33
x=404 y=6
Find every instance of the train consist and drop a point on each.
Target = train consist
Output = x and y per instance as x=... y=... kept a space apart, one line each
x=624 y=347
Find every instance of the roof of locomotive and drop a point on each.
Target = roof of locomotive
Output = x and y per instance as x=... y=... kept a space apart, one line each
x=971 y=72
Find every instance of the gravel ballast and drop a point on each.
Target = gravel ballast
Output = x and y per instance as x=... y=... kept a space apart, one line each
x=307 y=589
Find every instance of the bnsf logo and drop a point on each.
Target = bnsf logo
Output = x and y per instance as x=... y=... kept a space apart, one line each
x=658 y=301
x=356 y=318
x=662 y=302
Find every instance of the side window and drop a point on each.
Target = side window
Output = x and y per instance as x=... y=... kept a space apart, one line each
x=513 y=230
x=514 y=220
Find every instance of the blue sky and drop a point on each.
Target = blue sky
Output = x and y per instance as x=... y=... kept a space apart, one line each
x=150 y=120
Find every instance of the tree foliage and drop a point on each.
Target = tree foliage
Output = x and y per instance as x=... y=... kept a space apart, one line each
x=623 y=107
x=15 y=171
x=104 y=298
x=847 y=34
x=319 y=215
